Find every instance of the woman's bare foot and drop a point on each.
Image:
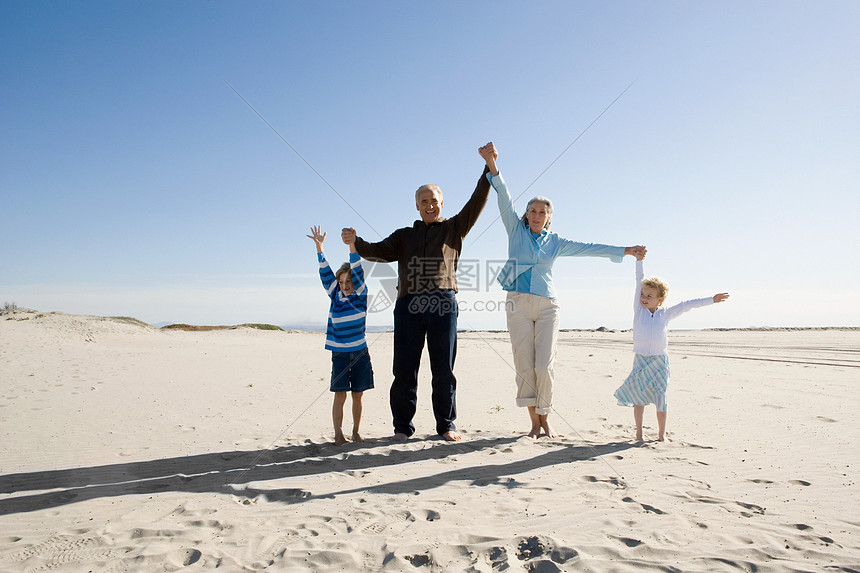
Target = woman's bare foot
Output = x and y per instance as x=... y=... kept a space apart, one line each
x=550 y=433
x=452 y=436
x=356 y=437
x=339 y=439
x=534 y=418
x=547 y=429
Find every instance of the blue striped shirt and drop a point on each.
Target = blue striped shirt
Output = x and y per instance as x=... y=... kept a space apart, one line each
x=347 y=315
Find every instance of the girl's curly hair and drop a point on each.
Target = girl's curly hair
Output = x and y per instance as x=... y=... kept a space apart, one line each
x=655 y=283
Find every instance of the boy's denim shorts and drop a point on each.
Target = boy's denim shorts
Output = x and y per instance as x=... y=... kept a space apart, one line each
x=351 y=371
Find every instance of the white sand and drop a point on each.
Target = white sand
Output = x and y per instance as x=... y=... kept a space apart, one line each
x=126 y=448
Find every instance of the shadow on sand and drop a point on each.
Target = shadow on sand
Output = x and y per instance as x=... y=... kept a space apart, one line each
x=230 y=472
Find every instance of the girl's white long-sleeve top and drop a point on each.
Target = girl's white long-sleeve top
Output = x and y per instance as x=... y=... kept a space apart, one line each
x=651 y=331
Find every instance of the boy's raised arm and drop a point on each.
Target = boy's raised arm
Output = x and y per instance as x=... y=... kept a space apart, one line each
x=326 y=274
x=317 y=237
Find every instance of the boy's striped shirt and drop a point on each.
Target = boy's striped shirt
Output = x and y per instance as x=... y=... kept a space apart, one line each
x=347 y=315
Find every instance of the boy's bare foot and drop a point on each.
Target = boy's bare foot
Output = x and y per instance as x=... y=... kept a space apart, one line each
x=639 y=438
x=452 y=436
x=398 y=437
x=339 y=439
x=356 y=437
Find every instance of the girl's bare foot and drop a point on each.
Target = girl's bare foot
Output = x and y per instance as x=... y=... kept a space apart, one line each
x=356 y=437
x=339 y=439
x=534 y=433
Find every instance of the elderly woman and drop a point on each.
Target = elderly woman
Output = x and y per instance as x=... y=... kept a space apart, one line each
x=532 y=309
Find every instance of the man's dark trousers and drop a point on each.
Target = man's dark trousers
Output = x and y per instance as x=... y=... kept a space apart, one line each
x=432 y=315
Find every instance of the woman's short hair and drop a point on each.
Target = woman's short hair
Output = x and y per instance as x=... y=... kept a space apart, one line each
x=658 y=284
x=545 y=201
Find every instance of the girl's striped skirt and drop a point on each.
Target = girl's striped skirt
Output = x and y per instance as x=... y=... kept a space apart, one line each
x=647 y=383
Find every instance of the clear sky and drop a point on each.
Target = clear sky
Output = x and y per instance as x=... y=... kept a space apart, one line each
x=135 y=182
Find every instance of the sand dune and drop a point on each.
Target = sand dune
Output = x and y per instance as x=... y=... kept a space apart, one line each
x=128 y=448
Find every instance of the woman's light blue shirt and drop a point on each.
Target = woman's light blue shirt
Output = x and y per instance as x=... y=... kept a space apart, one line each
x=530 y=256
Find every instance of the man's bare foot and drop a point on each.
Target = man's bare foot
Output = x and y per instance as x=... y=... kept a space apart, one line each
x=452 y=436
x=356 y=437
x=339 y=439
x=398 y=437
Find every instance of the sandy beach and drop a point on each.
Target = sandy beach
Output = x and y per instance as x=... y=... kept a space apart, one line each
x=128 y=448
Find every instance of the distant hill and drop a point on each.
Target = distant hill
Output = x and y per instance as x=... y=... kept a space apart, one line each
x=321 y=327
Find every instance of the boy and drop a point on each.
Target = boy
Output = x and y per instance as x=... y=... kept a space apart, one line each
x=351 y=370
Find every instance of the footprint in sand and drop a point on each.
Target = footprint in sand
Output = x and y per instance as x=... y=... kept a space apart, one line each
x=383 y=523
x=799 y=482
x=498 y=558
x=420 y=560
x=645 y=506
x=63 y=550
x=752 y=507
x=268 y=554
x=536 y=547
x=805 y=527
x=184 y=557
x=612 y=480
x=628 y=541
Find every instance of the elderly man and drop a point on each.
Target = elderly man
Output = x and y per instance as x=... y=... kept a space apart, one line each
x=426 y=307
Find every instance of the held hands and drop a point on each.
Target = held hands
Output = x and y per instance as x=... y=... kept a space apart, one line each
x=638 y=251
x=489 y=154
x=721 y=297
x=318 y=237
x=347 y=234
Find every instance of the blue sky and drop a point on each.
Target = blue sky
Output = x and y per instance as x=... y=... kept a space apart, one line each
x=135 y=182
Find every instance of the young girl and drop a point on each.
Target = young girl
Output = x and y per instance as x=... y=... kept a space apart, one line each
x=648 y=381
